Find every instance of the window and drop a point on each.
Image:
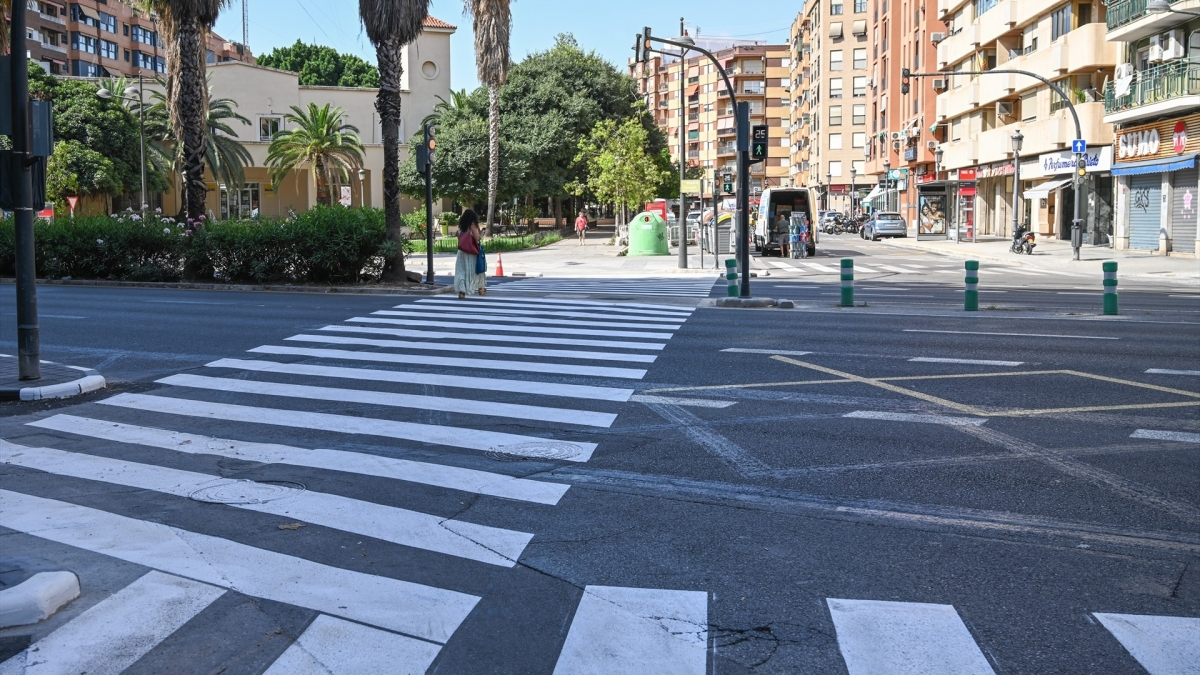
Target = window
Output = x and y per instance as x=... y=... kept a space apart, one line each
x=982 y=6
x=835 y=141
x=956 y=127
x=1028 y=111
x=1060 y=22
x=125 y=29
x=240 y=203
x=83 y=43
x=835 y=87
x=146 y=37
x=85 y=17
x=1085 y=14
x=835 y=115
x=858 y=166
x=860 y=114
x=858 y=140
x=860 y=6
x=860 y=59
x=860 y=86
x=835 y=169
x=835 y=59
x=109 y=50
x=108 y=23
x=84 y=69
x=835 y=8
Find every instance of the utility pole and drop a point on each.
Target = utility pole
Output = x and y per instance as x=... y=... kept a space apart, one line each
x=425 y=155
x=246 y=23
x=29 y=365
x=683 y=205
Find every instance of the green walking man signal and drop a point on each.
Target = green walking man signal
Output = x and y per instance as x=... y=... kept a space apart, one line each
x=758 y=143
x=727 y=183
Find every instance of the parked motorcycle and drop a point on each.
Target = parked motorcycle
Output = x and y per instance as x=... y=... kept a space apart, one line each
x=1022 y=242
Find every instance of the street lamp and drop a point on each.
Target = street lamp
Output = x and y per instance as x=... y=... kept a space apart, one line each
x=362 y=196
x=853 y=190
x=683 y=228
x=1017 y=139
x=1164 y=7
x=828 y=188
x=887 y=185
x=128 y=95
x=937 y=163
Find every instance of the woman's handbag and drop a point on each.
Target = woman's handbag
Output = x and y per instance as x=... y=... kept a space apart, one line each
x=480 y=261
x=467 y=243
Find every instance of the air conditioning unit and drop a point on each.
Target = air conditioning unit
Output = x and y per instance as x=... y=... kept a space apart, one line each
x=1156 y=48
x=895 y=135
x=1004 y=109
x=931 y=145
x=914 y=132
x=1173 y=45
x=939 y=85
x=1124 y=71
x=936 y=37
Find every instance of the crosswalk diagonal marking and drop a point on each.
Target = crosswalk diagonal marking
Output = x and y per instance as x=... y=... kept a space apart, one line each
x=425 y=314
x=905 y=638
x=1164 y=645
x=405 y=607
x=582 y=391
x=545 y=330
x=439 y=475
x=515 y=351
x=637 y=630
x=457 y=437
x=482 y=543
x=114 y=633
x=407 y=400
x=472 y=363
x=332 y=646
x=494 y=337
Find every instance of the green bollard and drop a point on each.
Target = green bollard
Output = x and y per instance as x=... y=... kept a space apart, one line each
x=971 y=297
x=731 y=276
x=1110 y=288
x=847 y=282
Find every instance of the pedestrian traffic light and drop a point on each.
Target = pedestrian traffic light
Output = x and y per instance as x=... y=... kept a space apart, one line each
x=759 y=135
x=645 y=38
x=905 y=79
x=727 y=183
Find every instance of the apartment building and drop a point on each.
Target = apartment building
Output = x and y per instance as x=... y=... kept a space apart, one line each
x=105 y=38
x=831 y=53
x=759 y=74
x=980 y=114
x=904 y=132
x=1154 y=102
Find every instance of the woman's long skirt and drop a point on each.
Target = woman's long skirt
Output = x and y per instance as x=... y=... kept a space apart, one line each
x=465 y=278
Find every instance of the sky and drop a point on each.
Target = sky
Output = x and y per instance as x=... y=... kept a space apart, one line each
x=607 y=27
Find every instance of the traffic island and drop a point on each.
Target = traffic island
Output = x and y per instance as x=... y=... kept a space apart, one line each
x=57 y=381
x=753 y=303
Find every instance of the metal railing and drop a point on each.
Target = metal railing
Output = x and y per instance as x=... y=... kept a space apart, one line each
x=1124 y=12
x=1160 y=83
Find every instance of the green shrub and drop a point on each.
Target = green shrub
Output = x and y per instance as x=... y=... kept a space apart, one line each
x=100 y=247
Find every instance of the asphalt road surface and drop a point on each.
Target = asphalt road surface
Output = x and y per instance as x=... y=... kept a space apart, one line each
x=598 y=476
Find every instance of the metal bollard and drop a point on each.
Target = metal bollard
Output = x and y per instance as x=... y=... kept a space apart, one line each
x=1110 y=288
x=971 y=297
x=847 y=282
x=731 y=276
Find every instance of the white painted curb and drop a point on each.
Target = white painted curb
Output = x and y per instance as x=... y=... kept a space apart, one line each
x=37 y=598
x=65 y=390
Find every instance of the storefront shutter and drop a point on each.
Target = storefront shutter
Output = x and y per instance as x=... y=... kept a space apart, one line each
x=1145 y=210
x=1185 y=204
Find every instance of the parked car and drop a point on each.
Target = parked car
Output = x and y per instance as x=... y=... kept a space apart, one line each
x=886 y=224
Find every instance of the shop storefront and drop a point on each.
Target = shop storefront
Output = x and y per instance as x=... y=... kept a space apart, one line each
x=1057 y=169
x=1155 y=166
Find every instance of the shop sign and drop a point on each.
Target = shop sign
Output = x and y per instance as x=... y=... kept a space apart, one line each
x=966 y=174
x=1098 y=159
x=995 y=170
x=1165 y=139
x=966 y=190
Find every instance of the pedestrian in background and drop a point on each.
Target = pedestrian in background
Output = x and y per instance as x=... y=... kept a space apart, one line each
x=466 y=279
x=581 y=224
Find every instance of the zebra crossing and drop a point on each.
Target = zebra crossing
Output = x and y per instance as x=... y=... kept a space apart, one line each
x=688 y=287
x=393 y=396
x=911 y=268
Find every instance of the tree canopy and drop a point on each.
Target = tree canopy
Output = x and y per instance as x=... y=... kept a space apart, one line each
x=318 y=65
x=619 y=169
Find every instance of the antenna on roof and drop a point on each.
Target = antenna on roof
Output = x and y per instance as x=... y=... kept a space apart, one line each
x=245 y=23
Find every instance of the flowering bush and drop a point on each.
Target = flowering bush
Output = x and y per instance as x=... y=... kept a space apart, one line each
x=325 y=245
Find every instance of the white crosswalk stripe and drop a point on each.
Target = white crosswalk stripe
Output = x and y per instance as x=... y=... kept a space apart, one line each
x=905 y=638
x=822 y=268
x=1164 y=645
x=546 y=370
x=699 y=287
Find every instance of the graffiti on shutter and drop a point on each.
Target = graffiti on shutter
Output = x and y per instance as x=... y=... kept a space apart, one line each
x=1145 y=210
x=1185 y=205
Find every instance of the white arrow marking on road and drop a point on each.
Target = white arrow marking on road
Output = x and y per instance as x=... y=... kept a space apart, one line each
x=1179 y=436
x=905 y=638
x=114 y=633
x=439 y=475
x=331 y=646
x=423 y=611
x=913 y=417
x=1164 y=645
x=973 y=362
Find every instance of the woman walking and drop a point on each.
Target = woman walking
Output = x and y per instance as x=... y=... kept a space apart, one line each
x=466 y=279
x=581 y=224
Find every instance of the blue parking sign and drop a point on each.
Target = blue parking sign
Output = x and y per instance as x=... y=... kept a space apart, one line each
x=1079 y=146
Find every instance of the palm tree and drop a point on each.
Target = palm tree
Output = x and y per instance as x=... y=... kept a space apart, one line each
x=5 y=8
x=185 y=25
x=390 y=25
x=320 y=141
x=458 y=101
x=492 y=23
x=225 y=155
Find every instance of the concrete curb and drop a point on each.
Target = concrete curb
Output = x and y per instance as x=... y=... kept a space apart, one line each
x=752 y=302
x=37 y=598
x=91 y=381
x=273 y=288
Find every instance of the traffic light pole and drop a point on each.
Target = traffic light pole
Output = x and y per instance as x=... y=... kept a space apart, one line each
x=428 y=208
x=1077 y=222
x=29 y=365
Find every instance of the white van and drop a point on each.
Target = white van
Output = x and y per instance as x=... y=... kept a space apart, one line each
x=783 y=201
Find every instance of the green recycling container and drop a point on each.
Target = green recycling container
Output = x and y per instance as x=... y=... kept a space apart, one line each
x=648 y=235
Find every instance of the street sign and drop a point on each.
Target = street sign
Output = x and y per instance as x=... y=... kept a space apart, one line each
x=690 y=186
x=758 y=143
x=1079 y=146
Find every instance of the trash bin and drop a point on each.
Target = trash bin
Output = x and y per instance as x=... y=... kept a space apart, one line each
x=648 y=235
x=718 y=238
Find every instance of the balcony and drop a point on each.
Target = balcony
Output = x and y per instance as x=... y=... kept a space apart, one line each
x=52 y=19
x=726 y=149
x=1169 y=88
x=54 y=48
x=1127 y=20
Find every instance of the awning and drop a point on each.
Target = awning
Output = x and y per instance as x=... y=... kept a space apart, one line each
x=89 y=13
x=860 y=27
x=835 y=29
x=1155 y=165
x=725 y=123
x=1043 y=190
x=693 y=90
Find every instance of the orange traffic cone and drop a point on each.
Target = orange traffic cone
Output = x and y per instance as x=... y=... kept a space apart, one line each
x=499 y=265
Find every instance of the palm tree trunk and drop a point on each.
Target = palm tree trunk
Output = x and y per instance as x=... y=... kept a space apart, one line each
x=493 y=151
x=387 y=104
x=322 y=178
x=188 y=100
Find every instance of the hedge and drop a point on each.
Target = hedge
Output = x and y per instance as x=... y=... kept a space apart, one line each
x=324 y=245
x=501 y=244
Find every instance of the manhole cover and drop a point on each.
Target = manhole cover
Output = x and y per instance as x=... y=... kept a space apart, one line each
x=246 y=492
x=535 y=450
